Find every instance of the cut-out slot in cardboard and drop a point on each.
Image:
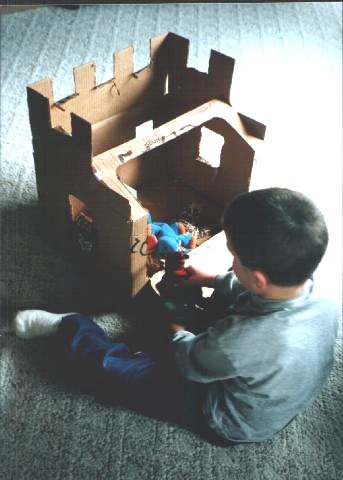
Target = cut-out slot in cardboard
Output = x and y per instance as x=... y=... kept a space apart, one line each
x=77 y=208
x=83 y=231
x=166 y=85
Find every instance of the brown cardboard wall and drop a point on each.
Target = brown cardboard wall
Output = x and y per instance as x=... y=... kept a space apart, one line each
x=147 y=168
x=219 y=184
x=51 y=152
x=112 y=132
x=166 y=200
x=138 y=255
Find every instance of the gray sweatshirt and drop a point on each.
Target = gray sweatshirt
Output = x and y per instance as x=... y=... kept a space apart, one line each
x=264 y=362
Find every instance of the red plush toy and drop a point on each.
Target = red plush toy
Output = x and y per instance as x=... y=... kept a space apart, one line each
x=175 y=264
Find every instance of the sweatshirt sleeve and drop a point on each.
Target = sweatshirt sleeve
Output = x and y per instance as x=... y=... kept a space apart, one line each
x=202 y=358
x=228 y=285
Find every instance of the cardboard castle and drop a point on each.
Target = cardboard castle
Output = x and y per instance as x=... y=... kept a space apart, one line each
x=92 y=163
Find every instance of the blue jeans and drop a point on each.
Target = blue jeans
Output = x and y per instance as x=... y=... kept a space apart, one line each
x=115 y=374
x=89 y=348
x=132 y=379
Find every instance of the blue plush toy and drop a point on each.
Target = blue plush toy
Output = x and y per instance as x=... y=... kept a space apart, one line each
x=164 y=239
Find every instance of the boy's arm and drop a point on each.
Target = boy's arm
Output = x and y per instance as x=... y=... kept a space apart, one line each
x=198 y=277
x=226 y=284
x=202 y=358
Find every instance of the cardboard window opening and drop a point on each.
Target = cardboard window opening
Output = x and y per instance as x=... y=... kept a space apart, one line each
x=144 y=129
x=77 y=208
x=84 y=232
x=210 y=147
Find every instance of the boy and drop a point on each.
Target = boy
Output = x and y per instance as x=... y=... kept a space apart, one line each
x=269 y=353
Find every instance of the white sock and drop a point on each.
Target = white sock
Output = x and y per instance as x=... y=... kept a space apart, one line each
x=36 y=323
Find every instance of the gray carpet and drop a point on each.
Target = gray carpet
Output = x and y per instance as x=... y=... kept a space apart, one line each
x=289 y=76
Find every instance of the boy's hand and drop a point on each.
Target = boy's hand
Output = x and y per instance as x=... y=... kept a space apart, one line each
x=175 y=327
x=198 y=277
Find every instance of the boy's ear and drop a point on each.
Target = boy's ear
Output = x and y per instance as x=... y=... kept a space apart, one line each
x=260 y=279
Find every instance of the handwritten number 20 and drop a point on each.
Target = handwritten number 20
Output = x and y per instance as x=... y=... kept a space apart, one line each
x=142 y=249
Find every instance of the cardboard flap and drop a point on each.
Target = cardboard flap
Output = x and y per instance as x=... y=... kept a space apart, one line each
x=39 y=111
x=220 y=72
x=80 y=165
x=169 y=50
x=109 y=200
x=84 y=77
x=123 y=64
x=253 y=127
x=45 y=88
x=155 y=45
x=81 y=132
x=178 y=50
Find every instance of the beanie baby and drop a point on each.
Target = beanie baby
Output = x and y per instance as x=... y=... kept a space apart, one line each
x=164 y=238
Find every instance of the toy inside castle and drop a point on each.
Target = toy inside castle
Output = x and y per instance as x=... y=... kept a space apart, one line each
x=167 y=248
x=163 y=239
x=170 y=243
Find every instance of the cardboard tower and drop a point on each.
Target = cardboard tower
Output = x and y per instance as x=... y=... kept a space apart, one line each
x=92 y=163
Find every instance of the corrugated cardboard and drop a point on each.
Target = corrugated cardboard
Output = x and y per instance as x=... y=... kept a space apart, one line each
x=88 y=158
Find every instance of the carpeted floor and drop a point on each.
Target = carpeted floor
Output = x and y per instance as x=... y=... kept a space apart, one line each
x=289 y=76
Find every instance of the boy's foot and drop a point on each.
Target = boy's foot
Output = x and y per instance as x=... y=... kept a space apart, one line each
x=36 y=323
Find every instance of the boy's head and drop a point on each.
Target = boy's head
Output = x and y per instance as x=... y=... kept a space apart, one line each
x=278 y=232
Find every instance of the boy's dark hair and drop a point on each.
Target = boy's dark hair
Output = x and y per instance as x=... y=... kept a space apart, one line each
x=278 y=231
